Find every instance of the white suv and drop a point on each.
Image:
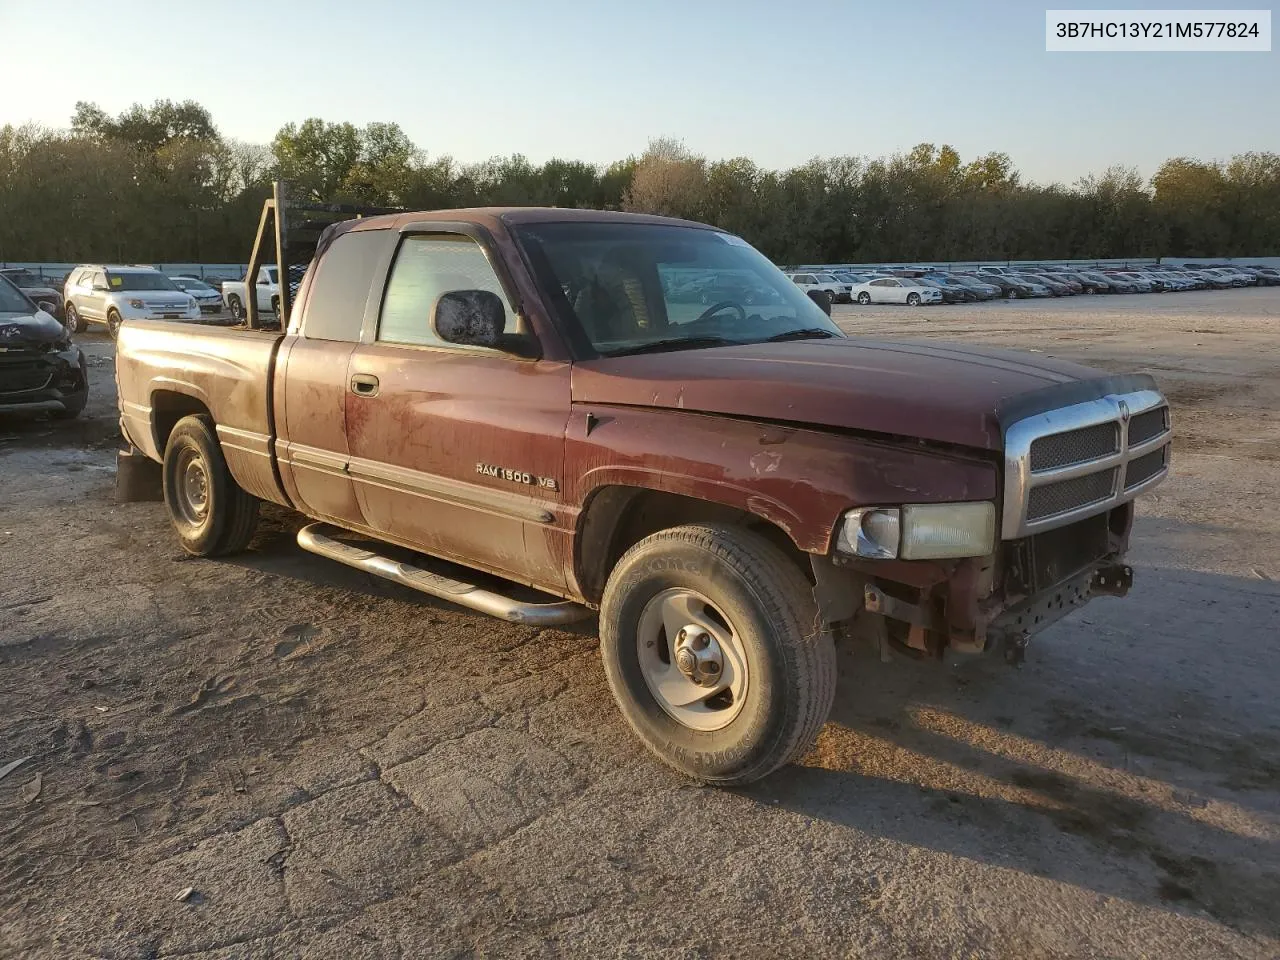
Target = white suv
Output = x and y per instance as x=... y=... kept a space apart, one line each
x=111 y=295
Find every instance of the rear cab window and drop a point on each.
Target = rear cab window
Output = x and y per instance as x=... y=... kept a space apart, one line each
x=339 y=291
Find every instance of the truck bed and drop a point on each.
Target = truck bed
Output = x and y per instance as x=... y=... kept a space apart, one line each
x=165 y=371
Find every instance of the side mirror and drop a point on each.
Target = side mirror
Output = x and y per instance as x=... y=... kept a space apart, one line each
x=821 y=298
x=48 y=307
x=470 y=318
x=101 y=288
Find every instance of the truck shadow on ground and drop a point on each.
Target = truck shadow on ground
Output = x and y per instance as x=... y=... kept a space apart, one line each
x=991 y=764
x=1089 y=785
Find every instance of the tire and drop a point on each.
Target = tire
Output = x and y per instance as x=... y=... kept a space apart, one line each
x=913 y=299
x=864 y=298
x=113 y=322
x=236 y=307
x=788 y=660
x=275 y=306
x=71 y=318
x=209 y=511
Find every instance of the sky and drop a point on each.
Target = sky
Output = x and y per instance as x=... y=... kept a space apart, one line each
x=595 y=81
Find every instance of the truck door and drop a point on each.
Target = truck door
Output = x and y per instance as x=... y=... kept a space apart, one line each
x=311 y=400
x=457 y=451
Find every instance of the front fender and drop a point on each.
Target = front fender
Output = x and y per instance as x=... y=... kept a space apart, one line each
x=801 y=480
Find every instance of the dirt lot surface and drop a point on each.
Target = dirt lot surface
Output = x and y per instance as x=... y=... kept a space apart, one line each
x=275 y=756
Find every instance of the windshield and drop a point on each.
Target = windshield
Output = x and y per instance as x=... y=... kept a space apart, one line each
x=13 y=300
x=624 y=286
x=140 y=280
x=23 y=278
x=184 y=283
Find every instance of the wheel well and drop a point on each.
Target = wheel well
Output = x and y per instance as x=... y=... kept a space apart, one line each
x=617 y=517
x=167 y=408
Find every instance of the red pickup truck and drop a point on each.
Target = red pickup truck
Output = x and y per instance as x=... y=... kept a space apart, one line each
x=544 y=397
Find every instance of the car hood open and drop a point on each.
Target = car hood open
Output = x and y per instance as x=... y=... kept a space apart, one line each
x=944 y=393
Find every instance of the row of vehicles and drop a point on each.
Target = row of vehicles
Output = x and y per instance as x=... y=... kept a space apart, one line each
x=109 y=294
x=922 y=285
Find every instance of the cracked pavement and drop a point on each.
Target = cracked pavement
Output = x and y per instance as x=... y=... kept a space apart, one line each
x=339 y=767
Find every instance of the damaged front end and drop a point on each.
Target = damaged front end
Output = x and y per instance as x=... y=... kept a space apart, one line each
x=1071 y=475
x=41 y=369
x=978 y=604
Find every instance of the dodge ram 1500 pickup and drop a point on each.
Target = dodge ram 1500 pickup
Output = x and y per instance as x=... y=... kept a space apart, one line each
x=731 y=487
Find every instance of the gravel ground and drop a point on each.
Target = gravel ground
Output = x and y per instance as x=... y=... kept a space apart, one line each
x=275 y=756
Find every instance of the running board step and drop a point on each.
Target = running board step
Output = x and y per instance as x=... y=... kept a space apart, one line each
x=311 y=538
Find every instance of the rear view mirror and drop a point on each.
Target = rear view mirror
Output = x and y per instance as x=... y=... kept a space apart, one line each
x=470 y=318
x=821 y=299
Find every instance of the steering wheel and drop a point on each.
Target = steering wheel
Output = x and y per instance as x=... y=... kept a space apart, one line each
x=715 y=308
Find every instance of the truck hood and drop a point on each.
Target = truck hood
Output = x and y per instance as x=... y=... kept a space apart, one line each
x=939 y=392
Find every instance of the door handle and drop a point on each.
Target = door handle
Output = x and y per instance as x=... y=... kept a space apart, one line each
x=364 y=384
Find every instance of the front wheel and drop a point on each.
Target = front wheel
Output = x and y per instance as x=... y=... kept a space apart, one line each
x=913 y=299
x=113 y=322
x=715 y=652
x=210 y=513
x=864 y=298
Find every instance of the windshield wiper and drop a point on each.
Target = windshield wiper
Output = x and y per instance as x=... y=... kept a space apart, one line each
x=674 y=343
x=807 y=333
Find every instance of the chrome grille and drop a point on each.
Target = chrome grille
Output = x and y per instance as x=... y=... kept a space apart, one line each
x=1075 y=446
x=1066 y=495
x=1147 y=425
x=1145 y=467
x=1081 y=460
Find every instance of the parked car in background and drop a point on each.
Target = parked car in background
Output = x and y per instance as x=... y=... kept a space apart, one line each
x=984 y=288
x=953 y=291
x=1087 y=285
x=841 y=292
x=207 y=296
x=1140 y=284
x=1058 y=286
x=266 y=287
x=809 y=284
x=1100 y=283
x=35 y=287
x=896 y=290
x=40 y=367
x=112 y=294
x=1032 y=286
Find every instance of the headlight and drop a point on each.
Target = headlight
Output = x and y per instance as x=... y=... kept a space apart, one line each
x=924 y=531
x=137 y=304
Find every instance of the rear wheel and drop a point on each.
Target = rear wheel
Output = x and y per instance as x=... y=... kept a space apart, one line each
x=71 y=319
x=715 y=652
x=211 y=514
x=236 y=307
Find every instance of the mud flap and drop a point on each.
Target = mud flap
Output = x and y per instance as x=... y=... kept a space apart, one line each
x=138 y=478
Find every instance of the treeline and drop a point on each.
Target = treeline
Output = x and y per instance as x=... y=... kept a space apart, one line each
x=160 y=183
